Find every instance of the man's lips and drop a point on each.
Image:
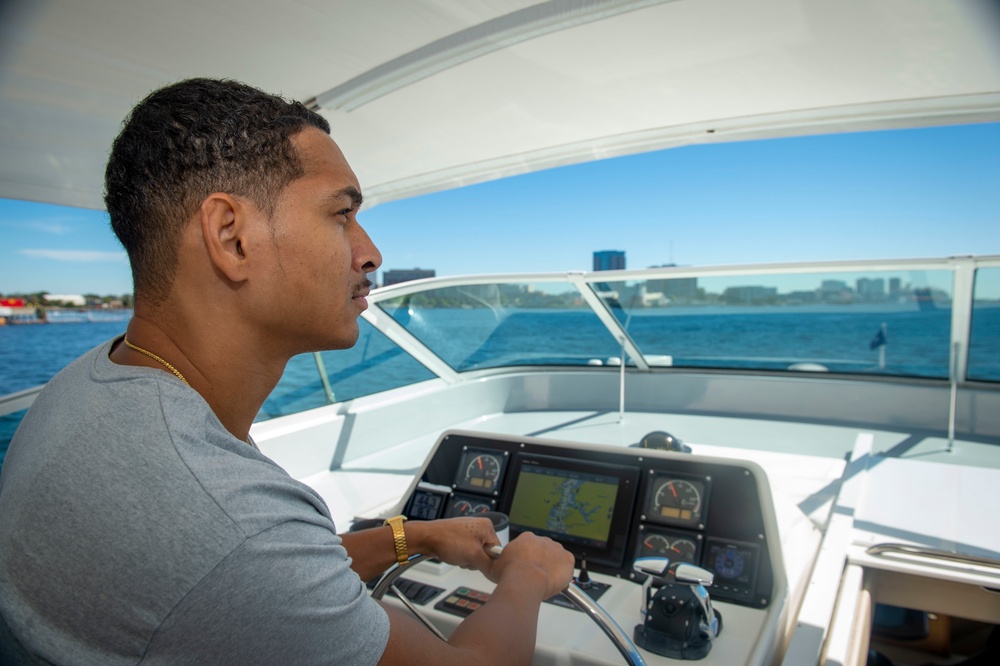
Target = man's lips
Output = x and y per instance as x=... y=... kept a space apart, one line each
x=361 y=296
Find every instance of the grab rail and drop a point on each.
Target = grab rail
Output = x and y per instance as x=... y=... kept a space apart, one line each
x=921 y=552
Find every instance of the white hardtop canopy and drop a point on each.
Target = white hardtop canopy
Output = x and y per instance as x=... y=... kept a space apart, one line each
x=426 y=95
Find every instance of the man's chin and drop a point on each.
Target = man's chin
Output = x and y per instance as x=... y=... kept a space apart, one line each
x=345 y=340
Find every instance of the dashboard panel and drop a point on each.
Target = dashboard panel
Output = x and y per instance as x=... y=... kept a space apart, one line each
x=608 y=505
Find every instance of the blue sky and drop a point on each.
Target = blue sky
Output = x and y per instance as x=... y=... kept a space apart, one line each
x=878 y=195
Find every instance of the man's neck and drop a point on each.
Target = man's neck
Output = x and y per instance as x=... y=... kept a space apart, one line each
x=208 y=357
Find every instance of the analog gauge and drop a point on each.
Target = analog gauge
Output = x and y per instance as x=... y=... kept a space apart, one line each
x=677 y=499
x=468 y=506
x=682 y=550
x=480 y=471
x=461 y=508
x=654 y=545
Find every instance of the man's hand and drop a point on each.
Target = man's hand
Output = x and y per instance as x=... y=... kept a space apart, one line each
x=458 y=541
x=502 y=632
x=538 y=556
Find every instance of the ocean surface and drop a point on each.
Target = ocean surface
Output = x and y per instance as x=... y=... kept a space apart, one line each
x=764 y=338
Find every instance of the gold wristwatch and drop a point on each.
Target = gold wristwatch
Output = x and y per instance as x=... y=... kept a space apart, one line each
x=398 y=537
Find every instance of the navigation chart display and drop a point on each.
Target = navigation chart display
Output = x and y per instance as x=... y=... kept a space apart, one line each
x=573 y=502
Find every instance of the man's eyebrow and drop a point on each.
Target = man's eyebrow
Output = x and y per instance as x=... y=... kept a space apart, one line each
x=352 y=193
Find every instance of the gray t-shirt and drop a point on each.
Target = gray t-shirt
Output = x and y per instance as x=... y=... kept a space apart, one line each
x=135 y=529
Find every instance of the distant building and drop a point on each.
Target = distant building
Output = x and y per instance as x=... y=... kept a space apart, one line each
x=397 y=275
x=835 y=291
x=674 y=289
x=752 y=294
x=609 y=260
x=833 y=286
x=73 y=299
x=871 y=289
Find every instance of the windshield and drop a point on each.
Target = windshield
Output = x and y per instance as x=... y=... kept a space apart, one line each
x=861 y=322
x=931 y=320
x=493 y=325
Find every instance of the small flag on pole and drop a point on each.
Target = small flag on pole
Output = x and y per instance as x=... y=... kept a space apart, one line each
x=879 y=340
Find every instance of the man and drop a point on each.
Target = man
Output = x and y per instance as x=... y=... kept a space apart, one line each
x=139 y=522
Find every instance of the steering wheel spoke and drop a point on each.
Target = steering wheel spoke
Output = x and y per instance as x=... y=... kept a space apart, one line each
x=581 y=599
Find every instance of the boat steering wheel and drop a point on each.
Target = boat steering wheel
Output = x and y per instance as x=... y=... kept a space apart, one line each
x=579 y=598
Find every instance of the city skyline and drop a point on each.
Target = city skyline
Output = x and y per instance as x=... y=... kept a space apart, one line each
x=918 y=193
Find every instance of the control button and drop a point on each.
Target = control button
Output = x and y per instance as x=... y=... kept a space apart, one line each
x=415 y=591
x=462 y=601
x=426 y=593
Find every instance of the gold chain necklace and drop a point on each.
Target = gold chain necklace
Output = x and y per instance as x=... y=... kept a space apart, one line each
x=156 y=358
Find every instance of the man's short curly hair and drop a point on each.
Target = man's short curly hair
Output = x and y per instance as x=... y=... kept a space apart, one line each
x=184 y=142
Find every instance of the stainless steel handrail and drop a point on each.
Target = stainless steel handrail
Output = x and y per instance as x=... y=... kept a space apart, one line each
x=949 y=556
x=600 y=616
x=607 y=624
x=388 y=582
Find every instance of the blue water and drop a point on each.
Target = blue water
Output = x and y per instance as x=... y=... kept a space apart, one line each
x=32 y=354
x=763 y=338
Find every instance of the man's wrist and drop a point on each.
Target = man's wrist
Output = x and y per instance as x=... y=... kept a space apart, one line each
x=398 y=538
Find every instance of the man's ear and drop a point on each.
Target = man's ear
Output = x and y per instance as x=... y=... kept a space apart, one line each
x=225 y=226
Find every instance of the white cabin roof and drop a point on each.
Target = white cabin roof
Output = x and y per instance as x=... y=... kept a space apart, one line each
x=425 y=95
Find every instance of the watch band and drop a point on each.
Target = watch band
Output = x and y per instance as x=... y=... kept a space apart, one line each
x=398 y=537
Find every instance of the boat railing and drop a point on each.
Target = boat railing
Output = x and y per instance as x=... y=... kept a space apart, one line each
x=19 y=400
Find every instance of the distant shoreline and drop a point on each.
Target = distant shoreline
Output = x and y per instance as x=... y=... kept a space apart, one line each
x=35 y=316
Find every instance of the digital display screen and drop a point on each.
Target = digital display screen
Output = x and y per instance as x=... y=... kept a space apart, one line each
x=563 y=503
x=584 y=506
x=425 y=505
x=735 y=567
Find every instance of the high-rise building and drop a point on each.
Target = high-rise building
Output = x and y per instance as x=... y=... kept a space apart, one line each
x=397 y=275
x=871 y=289
x=609 y=260
x=674 y=289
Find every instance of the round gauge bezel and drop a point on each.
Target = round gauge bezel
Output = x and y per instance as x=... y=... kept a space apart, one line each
x=670 y=537
x=682 y=516
x=474 y=501
x=489 y=485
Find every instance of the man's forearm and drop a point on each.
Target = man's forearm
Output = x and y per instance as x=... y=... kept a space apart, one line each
x=371 y=551
x=503 y=630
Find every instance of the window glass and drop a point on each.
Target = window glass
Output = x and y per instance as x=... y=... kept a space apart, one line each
x=984 y=339
x=895 y=323
x=372 y=365
x=493 y=325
